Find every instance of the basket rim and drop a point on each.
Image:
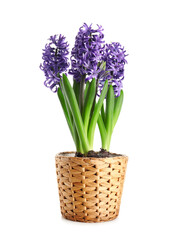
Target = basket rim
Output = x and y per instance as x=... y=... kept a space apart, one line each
x=67 y=154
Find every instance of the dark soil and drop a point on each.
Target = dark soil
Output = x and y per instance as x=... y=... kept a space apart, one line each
x=101 y=154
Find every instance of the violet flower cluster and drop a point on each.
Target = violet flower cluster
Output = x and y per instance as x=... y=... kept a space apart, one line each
x=90 y=58
x=87 y=53
x=55 y=61
x=114 y=56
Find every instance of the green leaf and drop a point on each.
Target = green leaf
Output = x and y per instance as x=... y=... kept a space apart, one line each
x=66 y=112
x=71 y=98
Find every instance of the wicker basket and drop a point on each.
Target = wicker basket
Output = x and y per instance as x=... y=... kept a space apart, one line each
x=90 y=189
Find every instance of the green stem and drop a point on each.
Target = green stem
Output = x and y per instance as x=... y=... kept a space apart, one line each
x=86 y=89
x=109 y=114
x=81 y=95
x=76 y=87
x=117 y=107
x=88 y=103
x=103 y=113
x=103 y=132
x=79 y=145
x=95 y=115
x=94 y=102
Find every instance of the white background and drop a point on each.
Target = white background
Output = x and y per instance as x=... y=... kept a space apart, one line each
x=33 y=128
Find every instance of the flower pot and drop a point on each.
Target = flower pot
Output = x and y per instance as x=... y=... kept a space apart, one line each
x=90 y=188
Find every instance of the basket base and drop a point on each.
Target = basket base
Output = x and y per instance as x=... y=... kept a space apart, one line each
x=85 y=220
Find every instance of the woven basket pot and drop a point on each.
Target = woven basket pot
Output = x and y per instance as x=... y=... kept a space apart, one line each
x=90 y=188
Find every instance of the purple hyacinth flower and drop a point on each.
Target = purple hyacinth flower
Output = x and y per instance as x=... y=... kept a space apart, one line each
x=114 y=56
x=87 y=53
x=55 y=61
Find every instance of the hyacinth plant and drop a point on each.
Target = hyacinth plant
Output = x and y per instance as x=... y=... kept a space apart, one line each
x=98 y=71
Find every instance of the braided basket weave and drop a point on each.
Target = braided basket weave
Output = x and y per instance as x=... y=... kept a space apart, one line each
x=90 y=189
